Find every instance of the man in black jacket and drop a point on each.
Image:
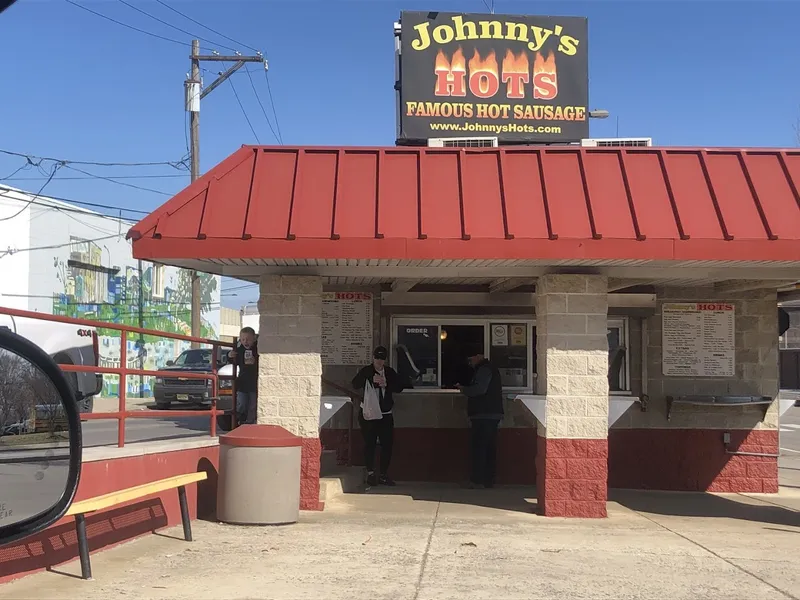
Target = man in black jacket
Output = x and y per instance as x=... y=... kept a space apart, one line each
x=485 y=410
x=387 y=382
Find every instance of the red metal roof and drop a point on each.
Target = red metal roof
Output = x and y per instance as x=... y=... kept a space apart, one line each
x=516 y=202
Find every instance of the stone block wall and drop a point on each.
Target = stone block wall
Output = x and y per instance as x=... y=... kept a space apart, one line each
x=290 y=346
x=687 y=453
x=756 y=366
x=572 y=352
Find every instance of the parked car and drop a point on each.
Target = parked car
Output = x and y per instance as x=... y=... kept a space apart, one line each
x=191 y=390
x=67 y=344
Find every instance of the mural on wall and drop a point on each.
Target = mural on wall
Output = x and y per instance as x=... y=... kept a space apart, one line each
x=153 y=297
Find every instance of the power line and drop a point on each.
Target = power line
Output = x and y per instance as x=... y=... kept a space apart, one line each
x=52 y=247
x=78 y=202
x=272 y=102
x=76 y=177
x=263 y=110
x=244 y=112
x=144 y=12
x=28 y=164
x=241 y=287
x=41 y=189
x=130 y=185
x=175 y=10
x=151 y=34
x=174 y=164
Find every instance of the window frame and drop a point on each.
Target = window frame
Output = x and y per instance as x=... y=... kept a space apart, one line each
x=621 y=323
x=396 y=321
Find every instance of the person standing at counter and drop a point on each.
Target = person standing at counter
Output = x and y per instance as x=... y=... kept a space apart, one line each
x=379 y=382
x=485 y=409
x=245 y=357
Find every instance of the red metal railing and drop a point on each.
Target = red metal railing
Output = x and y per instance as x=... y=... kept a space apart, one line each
x=122 y=413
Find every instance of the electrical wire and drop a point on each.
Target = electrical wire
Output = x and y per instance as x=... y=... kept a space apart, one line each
x=76 y=177
x=41 y=189
x=78 y=202
x=130 y=185
x=28 y=164
x=54 y=246
x=163 y=22
x=272 y=102
x=174 y=164
x=244 y=112
x=240 y=287
x=175 y=10
x=263 y=110
x=278 y=135
x=151 y=34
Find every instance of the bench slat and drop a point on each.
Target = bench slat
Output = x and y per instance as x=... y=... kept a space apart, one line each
x=139 y=491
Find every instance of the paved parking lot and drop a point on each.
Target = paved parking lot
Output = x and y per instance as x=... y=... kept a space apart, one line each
x=436 y=542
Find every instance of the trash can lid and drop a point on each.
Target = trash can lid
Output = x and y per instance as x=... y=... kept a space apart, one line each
x=260 y=436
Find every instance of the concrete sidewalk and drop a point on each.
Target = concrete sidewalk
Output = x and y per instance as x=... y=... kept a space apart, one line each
x=436 y=542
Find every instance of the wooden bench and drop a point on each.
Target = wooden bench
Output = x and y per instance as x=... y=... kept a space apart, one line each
x=80 y=509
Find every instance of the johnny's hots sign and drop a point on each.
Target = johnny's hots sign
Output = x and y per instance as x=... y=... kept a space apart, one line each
x=518 y=78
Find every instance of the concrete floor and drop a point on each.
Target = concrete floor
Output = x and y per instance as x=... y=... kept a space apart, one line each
x=436 y=542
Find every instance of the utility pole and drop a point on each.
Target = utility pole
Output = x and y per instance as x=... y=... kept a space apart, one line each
x=195 y=93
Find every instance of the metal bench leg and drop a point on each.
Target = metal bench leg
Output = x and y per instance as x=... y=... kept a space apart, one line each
x=83 y=547
x=187 y=524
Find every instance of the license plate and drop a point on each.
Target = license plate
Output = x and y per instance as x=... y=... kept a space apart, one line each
x=182 y=396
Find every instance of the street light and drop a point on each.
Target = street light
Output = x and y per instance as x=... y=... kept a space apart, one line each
x=599 y=113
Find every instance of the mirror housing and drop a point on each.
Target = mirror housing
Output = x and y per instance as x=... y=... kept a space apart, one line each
x=170 y=363
x=66 y=414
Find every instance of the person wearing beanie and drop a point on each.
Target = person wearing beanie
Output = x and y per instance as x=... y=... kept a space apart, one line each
x=378 y=382
x=485 y=409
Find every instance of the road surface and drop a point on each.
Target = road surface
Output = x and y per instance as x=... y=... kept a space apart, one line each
x=104 y=433
x=31 y=486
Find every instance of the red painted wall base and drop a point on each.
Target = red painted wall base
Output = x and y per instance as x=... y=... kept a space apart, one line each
x=442 y=455
x=309 y=475
x=692 y=460
x=573 y=478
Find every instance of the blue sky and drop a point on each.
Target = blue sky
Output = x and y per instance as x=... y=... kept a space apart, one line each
x=75 y=86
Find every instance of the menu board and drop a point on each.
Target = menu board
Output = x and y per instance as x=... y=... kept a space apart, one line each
x=698 y=339
x=346 y=328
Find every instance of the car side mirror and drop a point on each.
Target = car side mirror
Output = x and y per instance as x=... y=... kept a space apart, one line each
x=40 y=439
x=170 y=363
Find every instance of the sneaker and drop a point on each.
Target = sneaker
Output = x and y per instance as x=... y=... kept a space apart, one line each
x=384 y=480
x=372 y=479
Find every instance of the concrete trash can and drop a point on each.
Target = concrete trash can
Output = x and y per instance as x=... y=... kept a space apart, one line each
x=259 y=476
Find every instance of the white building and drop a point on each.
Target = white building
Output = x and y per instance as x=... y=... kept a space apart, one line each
x=58 y=258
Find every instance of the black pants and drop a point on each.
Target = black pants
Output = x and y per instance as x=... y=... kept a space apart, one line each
x=383 y=430
x=483 y=451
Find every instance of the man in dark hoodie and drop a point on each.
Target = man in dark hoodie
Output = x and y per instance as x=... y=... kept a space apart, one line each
x=387 y=382
x=485 y=409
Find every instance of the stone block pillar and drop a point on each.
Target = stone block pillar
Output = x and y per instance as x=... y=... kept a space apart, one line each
x=290 y=367
x=572 y=366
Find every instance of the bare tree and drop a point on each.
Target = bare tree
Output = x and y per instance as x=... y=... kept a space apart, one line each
x=16 y=403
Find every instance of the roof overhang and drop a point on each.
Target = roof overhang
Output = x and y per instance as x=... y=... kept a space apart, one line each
x=657 y=214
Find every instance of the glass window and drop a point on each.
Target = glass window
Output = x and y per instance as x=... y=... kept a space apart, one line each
x=617 y=359
x=435 y=355
x=418 y=354
x=508 y=351
x=457 y=343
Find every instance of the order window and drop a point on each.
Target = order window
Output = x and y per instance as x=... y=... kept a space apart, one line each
x=433 y=353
